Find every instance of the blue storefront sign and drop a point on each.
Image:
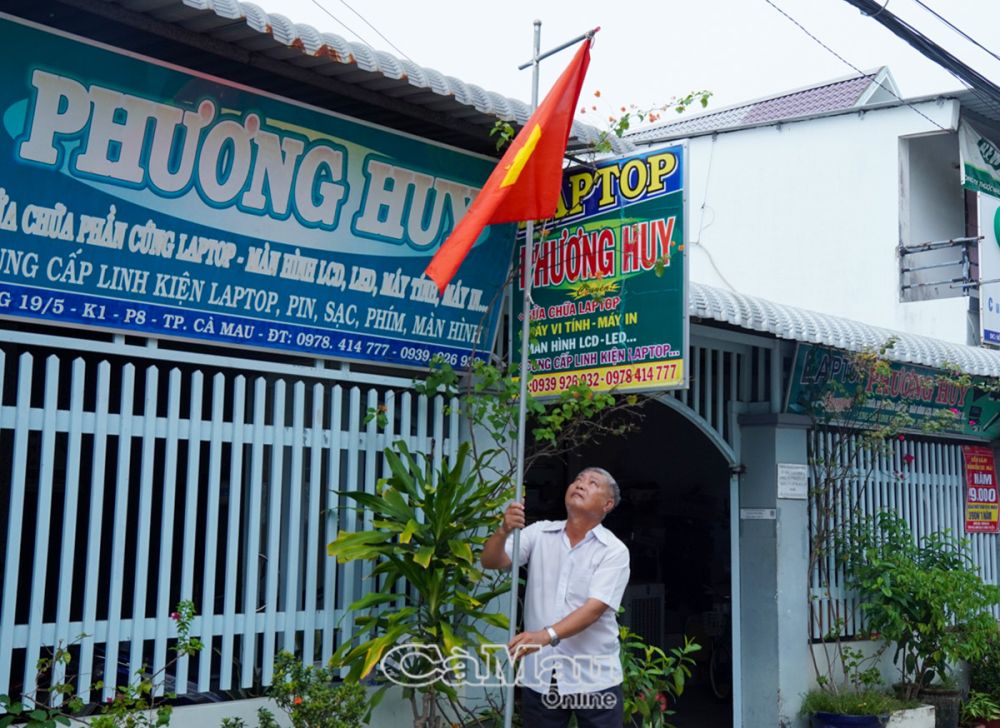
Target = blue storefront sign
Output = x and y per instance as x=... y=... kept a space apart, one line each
x=142 y=198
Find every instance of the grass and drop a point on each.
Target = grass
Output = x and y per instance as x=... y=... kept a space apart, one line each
x=869 y=702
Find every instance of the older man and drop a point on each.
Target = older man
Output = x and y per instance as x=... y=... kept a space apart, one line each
x=577 y=573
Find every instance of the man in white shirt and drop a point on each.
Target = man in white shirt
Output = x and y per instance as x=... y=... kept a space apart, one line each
x=577 y=573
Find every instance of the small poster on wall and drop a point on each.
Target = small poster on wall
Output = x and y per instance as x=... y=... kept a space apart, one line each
x=981 y=504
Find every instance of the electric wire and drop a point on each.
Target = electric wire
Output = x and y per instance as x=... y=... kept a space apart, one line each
x=955 y=28
x=379 y=32
x=340 y=22
x=979 y=86
x=701 y=221
x=851 y=65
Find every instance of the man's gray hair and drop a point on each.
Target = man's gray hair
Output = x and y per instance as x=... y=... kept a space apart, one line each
x=616 y=492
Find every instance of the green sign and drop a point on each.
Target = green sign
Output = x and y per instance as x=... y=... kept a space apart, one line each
x=824 y=380
x=609 y=284
x=980 y=161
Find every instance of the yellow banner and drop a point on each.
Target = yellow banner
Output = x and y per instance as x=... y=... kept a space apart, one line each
x=621 y=378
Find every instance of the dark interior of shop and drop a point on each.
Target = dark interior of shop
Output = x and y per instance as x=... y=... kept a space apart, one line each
x=674 y=517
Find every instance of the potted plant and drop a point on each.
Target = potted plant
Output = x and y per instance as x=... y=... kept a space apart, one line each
x=984 y=677
x=868 y=708
x=927 y=599
x=652 y=679
x=980 y=710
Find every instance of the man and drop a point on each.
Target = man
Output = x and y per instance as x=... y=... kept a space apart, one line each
x=577 y=572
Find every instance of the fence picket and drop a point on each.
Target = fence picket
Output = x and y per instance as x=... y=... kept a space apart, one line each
x=123 y=465
x=293 y=534
x=253 y=516
x=67 y=553
x=95 y=527
x=42 y=520
x=167 y=526
x=144 y=525
x=211 y=530
x=232 y=556
x=192 y=486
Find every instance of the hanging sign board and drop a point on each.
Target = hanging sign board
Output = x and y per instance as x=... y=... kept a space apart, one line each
x=142 y=198
x=824 y=382
x=610 y=279
x=989 y=269
x=980 y=161
x=981 y=503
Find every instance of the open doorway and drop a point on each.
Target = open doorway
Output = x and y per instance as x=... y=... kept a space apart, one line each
x=674 y=518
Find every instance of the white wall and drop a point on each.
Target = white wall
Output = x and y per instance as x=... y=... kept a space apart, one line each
x=808 y=214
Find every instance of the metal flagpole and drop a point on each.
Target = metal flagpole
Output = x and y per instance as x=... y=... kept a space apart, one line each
x=522 y=413
x=522 y=410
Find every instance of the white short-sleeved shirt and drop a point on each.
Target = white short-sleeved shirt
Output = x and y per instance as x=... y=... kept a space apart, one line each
x=560 y=579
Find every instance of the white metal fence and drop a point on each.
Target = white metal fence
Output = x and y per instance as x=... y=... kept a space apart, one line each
x=137 y=477
x=921 y=480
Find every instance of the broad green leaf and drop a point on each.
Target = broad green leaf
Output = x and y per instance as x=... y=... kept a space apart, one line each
x=423 y=556
x=370 y=600
x=407 y=534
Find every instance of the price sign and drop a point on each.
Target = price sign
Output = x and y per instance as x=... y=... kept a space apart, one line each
x=981 y=502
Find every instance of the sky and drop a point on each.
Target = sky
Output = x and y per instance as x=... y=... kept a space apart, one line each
x=648 y=52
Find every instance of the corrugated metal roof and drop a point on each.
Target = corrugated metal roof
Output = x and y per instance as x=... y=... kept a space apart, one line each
x=797 y=324
x=247 y=26
x=820 y=99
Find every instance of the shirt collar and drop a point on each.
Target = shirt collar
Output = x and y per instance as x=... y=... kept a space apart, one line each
x=600 y=532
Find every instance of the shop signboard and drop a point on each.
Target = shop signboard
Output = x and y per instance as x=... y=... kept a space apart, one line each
x=609 y=288
x=824 y=380
x=981 y=503
x=980 y=160
x=989 y=269
x=139 y=197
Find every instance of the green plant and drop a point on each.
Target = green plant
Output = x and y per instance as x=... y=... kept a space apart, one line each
x=652 y=678
x=925 y=597
x=858 y=432
x=430 y=525
x=865 y=702
x=979 y=706
x=426 y=522
x=314 y=697
x=136 y=705
x=984 y=672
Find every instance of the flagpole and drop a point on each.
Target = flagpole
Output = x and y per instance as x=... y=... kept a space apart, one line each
x=522 y=400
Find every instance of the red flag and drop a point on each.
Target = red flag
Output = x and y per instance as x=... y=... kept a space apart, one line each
x=525 y=185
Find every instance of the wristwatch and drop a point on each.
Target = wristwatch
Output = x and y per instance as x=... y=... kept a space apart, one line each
x=553 y=637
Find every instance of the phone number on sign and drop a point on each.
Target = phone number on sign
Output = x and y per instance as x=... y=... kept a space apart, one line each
x=605 y=378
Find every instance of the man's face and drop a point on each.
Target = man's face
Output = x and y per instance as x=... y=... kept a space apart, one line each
x=590 y=493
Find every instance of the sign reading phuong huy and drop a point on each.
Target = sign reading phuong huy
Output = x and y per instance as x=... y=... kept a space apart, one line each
x=825 y=382
x=142 y=198
x=609 y=282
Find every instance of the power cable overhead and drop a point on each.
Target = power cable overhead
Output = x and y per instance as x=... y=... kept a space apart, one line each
x=379 y=32
x=851 y=65
x=341 y=23
x=955 y=28
x=981 y=86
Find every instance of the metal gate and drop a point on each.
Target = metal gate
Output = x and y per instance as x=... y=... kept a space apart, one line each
x=138 y=476
x=921 y=480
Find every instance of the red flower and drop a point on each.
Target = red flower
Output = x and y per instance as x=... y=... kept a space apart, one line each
x=297 y=700
x=907 y=458
x=662 y=700
x=176 y=616
x=901 y=437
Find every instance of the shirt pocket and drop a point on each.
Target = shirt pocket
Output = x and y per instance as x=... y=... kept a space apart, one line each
x=578 y=589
